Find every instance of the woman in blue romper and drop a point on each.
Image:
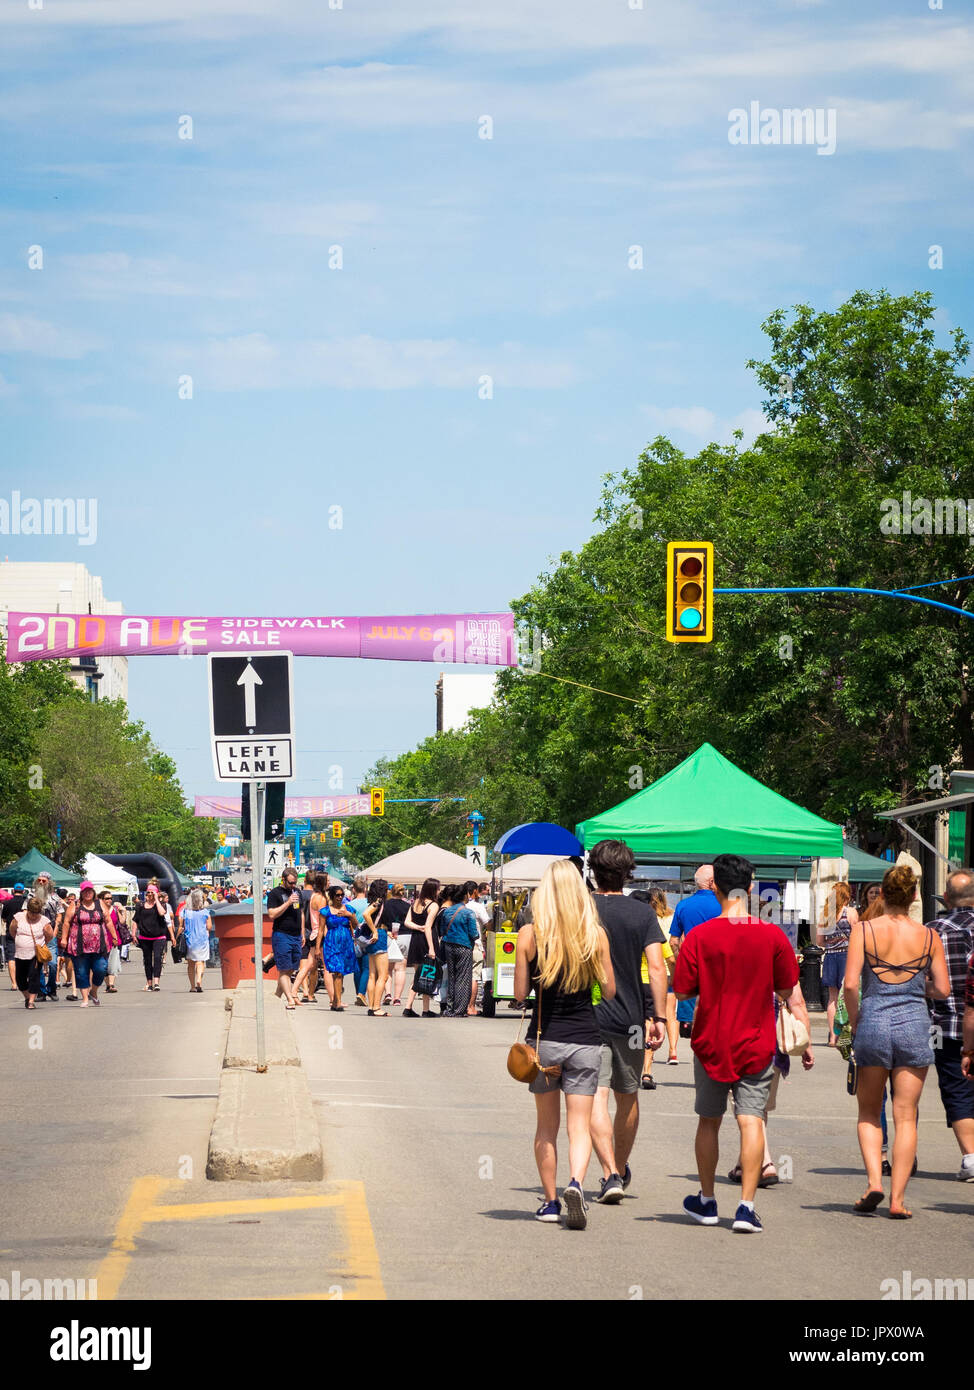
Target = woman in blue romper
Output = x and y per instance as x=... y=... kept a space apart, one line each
x=337 y=951
x=893 y=956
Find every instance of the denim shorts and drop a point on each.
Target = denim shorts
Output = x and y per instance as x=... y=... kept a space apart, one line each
x=833 y=969
x=287 y=951
x=956 y=1092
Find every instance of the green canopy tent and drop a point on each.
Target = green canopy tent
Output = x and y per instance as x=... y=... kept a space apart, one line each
x=25 y=869
x=706 y=806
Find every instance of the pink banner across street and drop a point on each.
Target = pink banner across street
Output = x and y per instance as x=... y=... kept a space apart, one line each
x=481 y=639
x=339 y=807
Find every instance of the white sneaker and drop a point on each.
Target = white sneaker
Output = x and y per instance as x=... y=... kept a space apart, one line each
x=966 y=1173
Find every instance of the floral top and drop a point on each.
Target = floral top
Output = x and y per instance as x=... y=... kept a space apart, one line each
x=838 y=940
x=97 y=935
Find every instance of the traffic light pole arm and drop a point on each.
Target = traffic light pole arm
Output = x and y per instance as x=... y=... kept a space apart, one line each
x=403 y=800
x=881 y=593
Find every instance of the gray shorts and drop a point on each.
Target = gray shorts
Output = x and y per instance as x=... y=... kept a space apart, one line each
x=579 y=1069
x=621 y=1064
x=751 y=1093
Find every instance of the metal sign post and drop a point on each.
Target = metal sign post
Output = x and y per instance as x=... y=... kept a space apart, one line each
x=252 y=739
x=258 y=796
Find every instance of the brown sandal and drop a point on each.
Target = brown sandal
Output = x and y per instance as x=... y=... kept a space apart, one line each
x=870 y=1201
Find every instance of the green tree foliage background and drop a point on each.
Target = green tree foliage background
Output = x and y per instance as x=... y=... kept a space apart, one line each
x=844 y=704
x=88 y=769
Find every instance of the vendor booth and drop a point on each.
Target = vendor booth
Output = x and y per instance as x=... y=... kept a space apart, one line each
x=538 y=844
x=25 y=869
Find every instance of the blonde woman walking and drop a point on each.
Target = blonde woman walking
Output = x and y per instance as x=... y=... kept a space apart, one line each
x=562 y=955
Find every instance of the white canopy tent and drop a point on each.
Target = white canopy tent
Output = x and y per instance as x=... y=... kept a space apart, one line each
x=527 y=870
x=421 y=862
x=108 y=876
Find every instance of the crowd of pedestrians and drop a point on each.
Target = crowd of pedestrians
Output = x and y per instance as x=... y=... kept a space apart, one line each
x=323 y=934
x=608 y=974
x=77 y=942
x=598 y=1015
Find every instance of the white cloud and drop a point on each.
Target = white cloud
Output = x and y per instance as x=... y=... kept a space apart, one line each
x=109 y=275
x=326 y=220
x=253 y=362
x=897 y=124
x=702 y=424
x=25 y=333
x=84 y=410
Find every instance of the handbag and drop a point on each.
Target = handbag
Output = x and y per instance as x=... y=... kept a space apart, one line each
x=42 y=953
x=852 y=1077
x=427 y=977
x=523 y=1061
x=122 y=930
x=791 y=1034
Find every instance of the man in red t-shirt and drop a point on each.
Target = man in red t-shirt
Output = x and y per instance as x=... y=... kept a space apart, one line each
x=733 y=965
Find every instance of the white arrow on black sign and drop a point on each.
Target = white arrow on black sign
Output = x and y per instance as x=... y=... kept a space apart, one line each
x=252 y=717
x=249 y=679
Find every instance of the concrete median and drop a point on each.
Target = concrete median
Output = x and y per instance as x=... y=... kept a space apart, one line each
x=265 y=1127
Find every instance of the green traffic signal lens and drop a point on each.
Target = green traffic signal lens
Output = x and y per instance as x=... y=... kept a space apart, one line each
x=690 y=618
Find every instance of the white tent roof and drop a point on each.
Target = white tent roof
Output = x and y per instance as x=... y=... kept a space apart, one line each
x=527 y=870
x=423 y=861
x=105 y=875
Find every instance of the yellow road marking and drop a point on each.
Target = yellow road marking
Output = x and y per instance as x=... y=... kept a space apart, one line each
x=362 y=1260
x=113 y=1267
x=198 y=1211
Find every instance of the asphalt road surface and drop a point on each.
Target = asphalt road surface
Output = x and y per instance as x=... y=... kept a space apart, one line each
x=430 y=1185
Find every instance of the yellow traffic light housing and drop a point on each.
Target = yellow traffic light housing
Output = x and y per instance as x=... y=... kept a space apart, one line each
x=689 y=591
x=336 y=829
x=378 y=807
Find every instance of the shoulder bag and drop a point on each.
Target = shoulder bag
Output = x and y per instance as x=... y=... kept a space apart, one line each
x=42 y=952
x=523 y=1061
x=791 y=1034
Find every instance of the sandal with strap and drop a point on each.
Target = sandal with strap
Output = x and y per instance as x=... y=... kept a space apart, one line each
x=902 y=1215
x=735 y=1174
x=870 y=1201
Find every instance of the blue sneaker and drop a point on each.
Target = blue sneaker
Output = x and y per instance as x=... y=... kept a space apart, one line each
x=575 y=1207
x=548 y=1211
x=746 y=1220
x=626 y=1179
x=702 y=1209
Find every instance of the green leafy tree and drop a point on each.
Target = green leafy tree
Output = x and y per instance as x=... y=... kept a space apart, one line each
x=111 y=791
x=843 y=703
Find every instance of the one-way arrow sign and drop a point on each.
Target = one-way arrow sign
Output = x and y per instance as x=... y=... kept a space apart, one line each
x=249 y=680
x=252 y=717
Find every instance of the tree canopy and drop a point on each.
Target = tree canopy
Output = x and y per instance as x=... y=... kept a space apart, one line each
x=843 y=703
x=77 y=775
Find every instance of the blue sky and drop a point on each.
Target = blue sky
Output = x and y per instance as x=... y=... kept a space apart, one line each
x=359 y=127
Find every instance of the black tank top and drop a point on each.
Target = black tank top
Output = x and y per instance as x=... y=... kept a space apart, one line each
x=420 y=917
x=565 y=1018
